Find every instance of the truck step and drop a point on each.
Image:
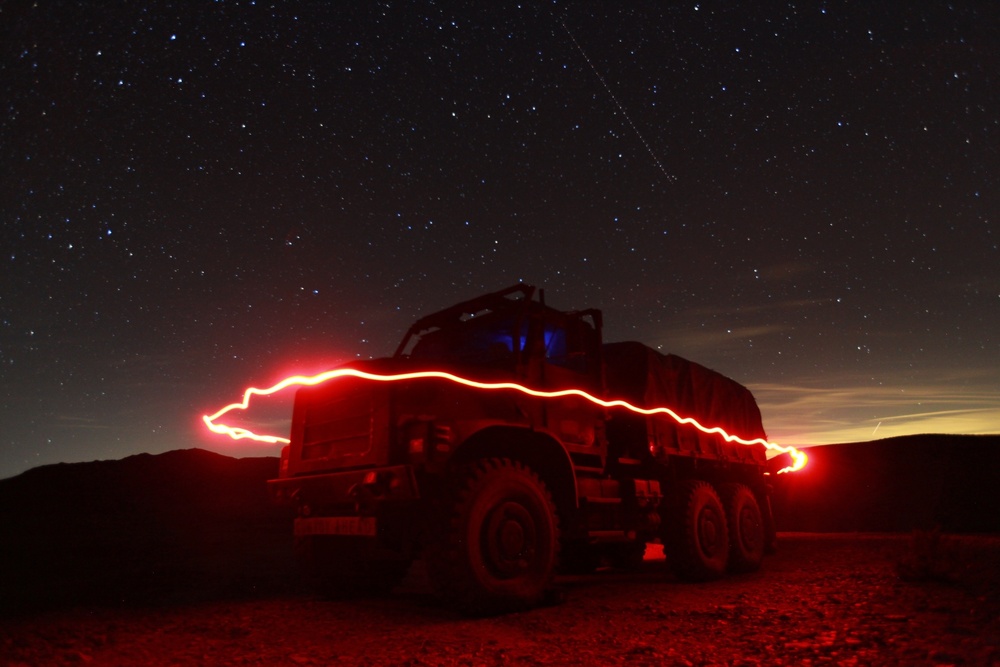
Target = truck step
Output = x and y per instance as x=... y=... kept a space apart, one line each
x=607 y=535
x=590 y=469
x=601 y=500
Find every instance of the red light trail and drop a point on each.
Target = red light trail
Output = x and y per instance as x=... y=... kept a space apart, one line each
x=798 y=457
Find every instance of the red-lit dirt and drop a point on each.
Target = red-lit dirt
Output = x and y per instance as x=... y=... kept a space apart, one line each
x=821 y=600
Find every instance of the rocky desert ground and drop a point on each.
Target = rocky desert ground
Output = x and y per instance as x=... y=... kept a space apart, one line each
x=823 y=599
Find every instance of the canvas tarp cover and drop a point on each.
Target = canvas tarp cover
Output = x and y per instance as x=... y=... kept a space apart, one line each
x=648 y=379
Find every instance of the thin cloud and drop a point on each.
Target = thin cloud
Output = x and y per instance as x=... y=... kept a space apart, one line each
x=767 y=307
x=690 y=342
x=937 y=414
x=76 y=422
x=799 y=414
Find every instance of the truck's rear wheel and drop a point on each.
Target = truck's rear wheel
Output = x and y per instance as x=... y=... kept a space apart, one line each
x=496 y=544
x=697 y=535
x=747 y=540
x=338 y=568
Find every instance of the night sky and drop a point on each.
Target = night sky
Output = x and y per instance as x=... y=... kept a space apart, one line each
x=198 y=196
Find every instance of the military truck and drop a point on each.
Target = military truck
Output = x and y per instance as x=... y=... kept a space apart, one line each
x=498 y=489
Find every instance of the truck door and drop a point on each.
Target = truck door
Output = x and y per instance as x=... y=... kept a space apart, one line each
x=569 y=358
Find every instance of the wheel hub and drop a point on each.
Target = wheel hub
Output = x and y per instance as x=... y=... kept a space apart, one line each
x=749 y=531
x=509 y=539
x=709 y=532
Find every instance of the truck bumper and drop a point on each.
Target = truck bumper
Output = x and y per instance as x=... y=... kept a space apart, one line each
x=362 y=490
x=353 y=526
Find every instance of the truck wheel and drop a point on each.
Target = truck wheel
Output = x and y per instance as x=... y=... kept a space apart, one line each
x=696 y=533
x=496 y=544
x=341 y=570
x=747 y=540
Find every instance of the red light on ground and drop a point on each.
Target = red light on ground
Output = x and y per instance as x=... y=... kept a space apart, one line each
x=798 y=458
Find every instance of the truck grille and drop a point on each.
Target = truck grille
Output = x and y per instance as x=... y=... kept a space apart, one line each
x=343 y=433
x=342 y=425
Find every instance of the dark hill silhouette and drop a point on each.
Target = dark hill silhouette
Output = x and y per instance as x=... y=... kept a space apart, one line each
x=895 y=484
x=186 y=524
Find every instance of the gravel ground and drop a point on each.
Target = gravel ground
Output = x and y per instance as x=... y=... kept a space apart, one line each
x=834 y=599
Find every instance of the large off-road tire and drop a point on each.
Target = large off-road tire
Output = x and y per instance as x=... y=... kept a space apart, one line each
x=747 y=537
x=696 y=533
x=496 y=543
x=339 y=569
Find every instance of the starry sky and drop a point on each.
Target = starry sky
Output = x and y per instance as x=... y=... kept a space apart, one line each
x=200 y=196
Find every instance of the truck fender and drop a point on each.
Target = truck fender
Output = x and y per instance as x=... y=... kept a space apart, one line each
x=538 y=449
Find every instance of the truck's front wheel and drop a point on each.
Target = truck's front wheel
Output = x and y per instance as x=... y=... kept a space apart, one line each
x=495 y=545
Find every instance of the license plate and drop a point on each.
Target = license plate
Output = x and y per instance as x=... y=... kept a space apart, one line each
x=336 y=525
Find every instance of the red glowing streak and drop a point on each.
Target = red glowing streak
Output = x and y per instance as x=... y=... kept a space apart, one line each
x=798 y=457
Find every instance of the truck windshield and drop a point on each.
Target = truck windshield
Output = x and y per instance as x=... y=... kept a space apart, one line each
x=479 y=341
x=490 y=342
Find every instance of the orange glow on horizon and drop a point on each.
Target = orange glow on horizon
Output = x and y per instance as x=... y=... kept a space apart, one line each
x=798 y=457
